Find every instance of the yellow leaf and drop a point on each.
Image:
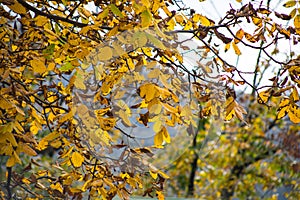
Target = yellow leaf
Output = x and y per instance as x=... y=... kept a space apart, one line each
x=41 y=20
x=26 y=181
x=165 y=93
x=233 y=108
x=284 y=103
x=56 y=144
x=263 y=97
x=51 y=66
x=157 y=126
x=38 y=66
x=236 y=49
x=101 y=111
x=257 y=21
x=3 y=21
x=227 y=46
x=42 y=145
x=250 y=38
x=204 y=21
x=13 y=159
x=146 y=3
x=158 y=139
x=85 y=12
x=113 y=31
x=118 y=49
x=51 y=136
x=196 y=17
x=124 y=118
x=295 y=94
x=297 y=23
x=86 y=185
x=105 y=53
x=153 y=174
x=154 y=108
x=160 y=33
x=76 y=190
x=130 y=63
x=18 y=8
x=28 y=150
x=188 y=25
x=146 y=18
x=229 y=115
x=169 y=108
x=166 y=9
x=293 y=13
x=166 y=135
x=18 y=127
x=106 y=88
x=179 y=19
x=77 y=159
x=282 y=112
x=14 y=47
x=97 y=183
x=154 y=73
x=294 y=114
x=148 y=91
x=239 y=36
x=171 y=24
x=179 y=57
x=66 y=153
x=160 y=195
x=119 y=94
x=57 y=186
x=80 y=77
x=289 y=4
x=106 y=123
x=11 y=138
x=239 y=1
x=164 y=175
x=66 y=117
x=285 y=32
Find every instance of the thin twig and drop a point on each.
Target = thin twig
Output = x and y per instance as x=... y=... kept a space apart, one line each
x=55 y=17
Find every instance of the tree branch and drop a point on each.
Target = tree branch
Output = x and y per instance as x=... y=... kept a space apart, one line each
x=8 y=183
x=55 y=17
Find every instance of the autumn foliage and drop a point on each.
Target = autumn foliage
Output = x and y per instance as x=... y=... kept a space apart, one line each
x=136 y=97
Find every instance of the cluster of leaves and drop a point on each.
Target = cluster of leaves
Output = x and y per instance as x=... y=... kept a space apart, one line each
x=257 y=160
x=66 y=68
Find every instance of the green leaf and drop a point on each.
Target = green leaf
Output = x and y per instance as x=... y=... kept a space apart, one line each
x=289 y=4
x=48 y=52
x=66 y=67
x=156 y=42
x=116 y=10
x=139 y=39
x=146 y=18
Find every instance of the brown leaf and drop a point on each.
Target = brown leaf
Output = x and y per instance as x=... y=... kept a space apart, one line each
x=283 y=16
x=144 y=118
x=222 y=37
x=264 y=11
